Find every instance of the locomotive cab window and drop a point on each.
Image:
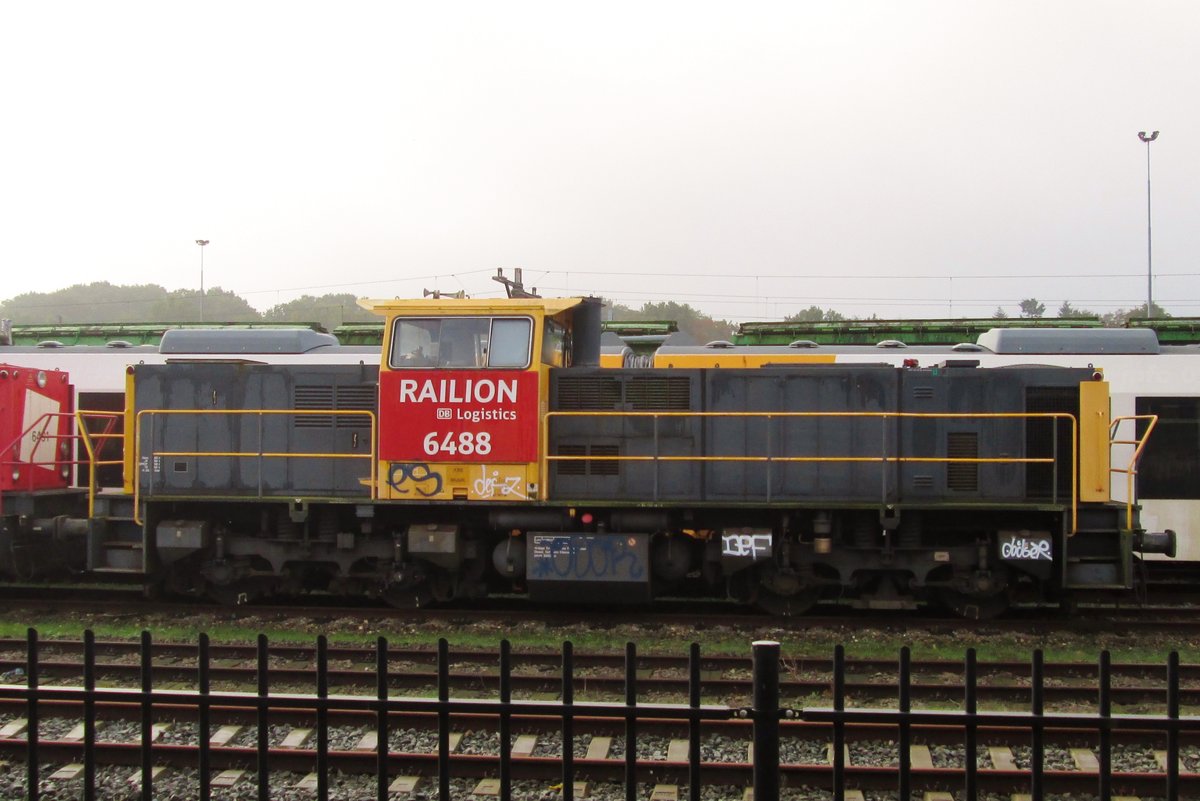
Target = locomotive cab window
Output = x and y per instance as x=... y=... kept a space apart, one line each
x=461 y=342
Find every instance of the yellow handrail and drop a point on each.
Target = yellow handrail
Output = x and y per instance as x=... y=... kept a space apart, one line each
x=545 y=457
x=137 y=440
x=86 y=437
x=1139 y=445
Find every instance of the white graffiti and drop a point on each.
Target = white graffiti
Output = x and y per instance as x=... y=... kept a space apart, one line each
x=490 y=486
x=1026 y=549
x=752 y=545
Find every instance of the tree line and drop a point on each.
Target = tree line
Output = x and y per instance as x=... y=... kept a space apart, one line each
x=102 y=302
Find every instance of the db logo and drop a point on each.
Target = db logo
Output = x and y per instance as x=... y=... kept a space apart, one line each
x=444 y=414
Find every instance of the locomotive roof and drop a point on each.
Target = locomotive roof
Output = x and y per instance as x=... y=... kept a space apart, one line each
x=419 y=306
x=1001 y=341
x=233 y=340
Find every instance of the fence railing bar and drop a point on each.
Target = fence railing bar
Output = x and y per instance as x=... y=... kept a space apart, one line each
x=568 y=722
x=381 y=720
x=1038 y=708
x=1105 y=710
x=89 y=716
x=443 y=713
x=322 y=718
x=971 y=737
x=839 y=723
x=264 y=730
x=630 y=721
x=694 y=722
x=31 y=728
x=905 y=738
x=1173 y=730
x=202 y=688
x=147 y=671
x=505 y=721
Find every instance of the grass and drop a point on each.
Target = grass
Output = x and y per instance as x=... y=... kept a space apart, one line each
x=862 y=640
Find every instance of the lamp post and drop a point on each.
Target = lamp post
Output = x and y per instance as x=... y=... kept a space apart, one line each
x=1148 y=138
x=201 y=243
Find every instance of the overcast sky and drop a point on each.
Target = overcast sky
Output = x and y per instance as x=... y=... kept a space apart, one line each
x=751 y=159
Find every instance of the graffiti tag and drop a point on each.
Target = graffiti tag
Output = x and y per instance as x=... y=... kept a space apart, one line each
x=418 y=474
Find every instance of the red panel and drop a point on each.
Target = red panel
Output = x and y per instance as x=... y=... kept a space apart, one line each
x=34 y=426
x=458 y=416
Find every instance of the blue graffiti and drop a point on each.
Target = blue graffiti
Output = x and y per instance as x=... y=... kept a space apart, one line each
x=608 y=557
x=418 y=473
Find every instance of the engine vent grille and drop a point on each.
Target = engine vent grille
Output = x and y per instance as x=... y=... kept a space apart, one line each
x=633 y=392
x=655 y=393
x=923 y=393
x=959 y=476
x=315 y=398
x=588 y=393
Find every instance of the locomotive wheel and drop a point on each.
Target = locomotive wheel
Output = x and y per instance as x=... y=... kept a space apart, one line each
x=786 y=605
x=974 y=607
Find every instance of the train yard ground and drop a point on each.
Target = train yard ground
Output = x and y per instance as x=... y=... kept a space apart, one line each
x=600 y=674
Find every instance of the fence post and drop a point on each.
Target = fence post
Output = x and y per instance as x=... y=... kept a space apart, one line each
x=766 y=719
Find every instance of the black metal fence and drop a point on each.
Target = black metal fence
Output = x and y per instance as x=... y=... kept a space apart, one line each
x=764 y=716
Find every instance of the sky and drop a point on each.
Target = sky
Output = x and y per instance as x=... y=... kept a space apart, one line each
x=926 y=158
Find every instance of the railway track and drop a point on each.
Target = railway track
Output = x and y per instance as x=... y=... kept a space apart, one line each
x=1003 y=758
x=1181 y=614
x=600 y=675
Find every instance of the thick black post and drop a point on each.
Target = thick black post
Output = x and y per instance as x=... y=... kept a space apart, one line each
x=264 y=731
x=31 y=683
x=147 y=718
x=839 y=725
x=905 y=738
x=568 y=721
x=1105 y=727
x=382 y=734
x=89 y=715
x=202 y=688
x=322 y=718
x=1173 y=730
x=766 y=719
x=1038 y=707
x=505 y=720
x=443 y=691
x=971 y=740
x=630 y=721
x=694 y=723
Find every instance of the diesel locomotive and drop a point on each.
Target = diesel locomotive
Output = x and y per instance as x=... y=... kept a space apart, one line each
x=486 y=451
